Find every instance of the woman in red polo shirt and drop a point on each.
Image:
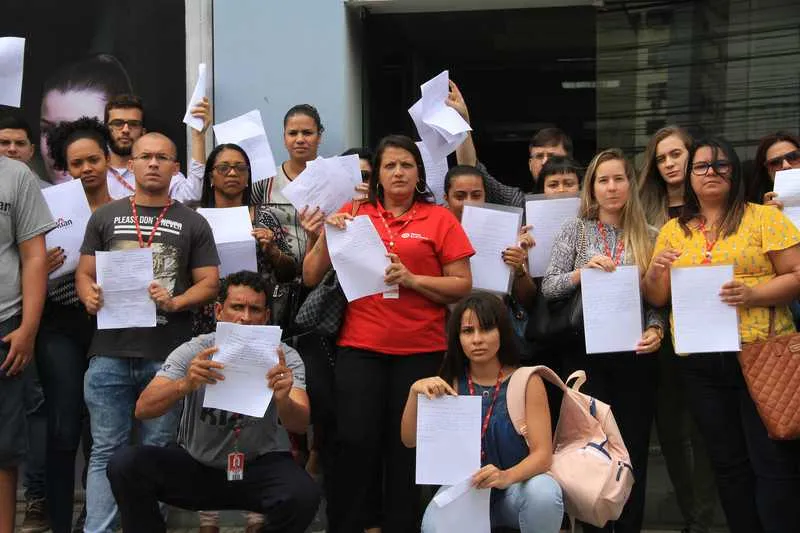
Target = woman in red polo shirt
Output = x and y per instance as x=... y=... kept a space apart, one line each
x=386 y=344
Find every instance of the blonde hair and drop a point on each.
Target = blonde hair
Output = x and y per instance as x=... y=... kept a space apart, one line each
x=636 y=233
x=652 y=185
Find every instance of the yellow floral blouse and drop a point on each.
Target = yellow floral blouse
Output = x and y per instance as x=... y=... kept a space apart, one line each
x=762 y=229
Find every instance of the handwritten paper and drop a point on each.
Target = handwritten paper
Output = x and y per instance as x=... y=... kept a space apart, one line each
x=440 y=126
x=248 y=132
x=612 y=309
x=546 y=216
x=701 y=321
x=326 y=183
x=12 y=57
x=232 y=231
x=197 y=96
x=248 y=353
x=462 y=508
x=359 y=257
x=435 y=171
x=787 y=185
x=125 y=276
x=448 y=439
x=491 y=229
x=71 y=211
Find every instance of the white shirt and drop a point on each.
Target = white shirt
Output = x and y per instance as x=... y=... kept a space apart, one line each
x=181 y=188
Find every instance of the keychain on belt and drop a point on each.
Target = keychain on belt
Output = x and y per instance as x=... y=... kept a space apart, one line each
x=235 y=468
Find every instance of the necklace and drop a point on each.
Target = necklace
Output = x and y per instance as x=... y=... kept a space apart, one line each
x=384 y=214
x=708 y=248
x=121 y=179
x=155 y=224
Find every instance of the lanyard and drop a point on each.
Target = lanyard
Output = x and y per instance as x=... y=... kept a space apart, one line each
x=237 y=429
x=383 y=216
x=485 y=425
x=620 y=249
x=709 y=245
x=155 y=224
x=121 y=179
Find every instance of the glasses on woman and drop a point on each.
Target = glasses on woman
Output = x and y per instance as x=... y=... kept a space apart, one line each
x=776 y=163
x=721 y=167
x=225 y=168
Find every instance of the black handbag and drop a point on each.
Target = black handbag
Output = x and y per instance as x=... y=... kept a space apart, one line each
x=285 y=304
x=322 y=312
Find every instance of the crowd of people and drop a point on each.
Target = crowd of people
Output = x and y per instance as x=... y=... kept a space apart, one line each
x=342 y=422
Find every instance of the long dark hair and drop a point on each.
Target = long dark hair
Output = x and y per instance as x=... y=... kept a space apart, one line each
x=735 y=206
x=760 y=182
x=407 y=144
x=207 y=198
x=491 y=313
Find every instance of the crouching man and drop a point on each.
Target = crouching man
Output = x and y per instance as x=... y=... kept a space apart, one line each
x=194 y=475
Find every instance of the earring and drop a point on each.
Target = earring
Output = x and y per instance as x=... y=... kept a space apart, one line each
x=416 y=188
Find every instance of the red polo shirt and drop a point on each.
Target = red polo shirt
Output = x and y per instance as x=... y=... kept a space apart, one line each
x=426 y=238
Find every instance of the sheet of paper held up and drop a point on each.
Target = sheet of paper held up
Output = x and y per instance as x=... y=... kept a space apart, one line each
x=435 y=170
x=233 y=236
x=491 y=229
x=248 y=132
x=701 y=321
x=197 y=96
x=612 y=309
x=248 y=353
x=440 y=126
x=463 y=508
x=787 y=185
x=359 y=258
x=125 y=276
x=448 y=439
x=12 y=57
x=328 y=183
x=546 y=216
x=70 y=209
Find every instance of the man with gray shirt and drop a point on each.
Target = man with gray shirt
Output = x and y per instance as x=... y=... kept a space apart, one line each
x=213 y=443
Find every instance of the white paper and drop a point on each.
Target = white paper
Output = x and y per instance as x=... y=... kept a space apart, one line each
x=787 y=185
x=248 y=132
x=440 y=126
x=702 y=322
x=463 y=509
x=125 y=277
x=448 y=439
x=71 y=211
x=197 y=96
x=248 y=353
x=232 y=231
x=612 y=309
x=491 y=231
x=435 y=171
x=359 y=258
x=327 y=183
x=12 y=57
x=547 y=217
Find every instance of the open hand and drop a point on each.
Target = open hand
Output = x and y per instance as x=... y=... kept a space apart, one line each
x=280 y=378
x=203 y=371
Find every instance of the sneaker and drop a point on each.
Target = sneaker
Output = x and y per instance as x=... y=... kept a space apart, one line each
x=35 y=520
x=81 y=521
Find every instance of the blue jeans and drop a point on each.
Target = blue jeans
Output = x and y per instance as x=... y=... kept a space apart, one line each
x=533 y=506
x=111 y=388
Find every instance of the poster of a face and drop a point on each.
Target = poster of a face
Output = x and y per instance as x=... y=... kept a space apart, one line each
x=78 y=55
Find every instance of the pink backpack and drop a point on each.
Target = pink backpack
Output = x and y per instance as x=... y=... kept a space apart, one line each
x=590 y=460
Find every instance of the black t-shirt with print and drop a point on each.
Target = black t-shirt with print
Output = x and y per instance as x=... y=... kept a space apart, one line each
x=182 y=242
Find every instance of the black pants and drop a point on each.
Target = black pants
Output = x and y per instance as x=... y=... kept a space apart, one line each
x=273 y=485
x=371 y=392
x=627 y=382
x=758 y=478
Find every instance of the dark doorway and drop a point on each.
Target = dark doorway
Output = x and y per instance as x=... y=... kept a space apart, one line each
x=520 y=70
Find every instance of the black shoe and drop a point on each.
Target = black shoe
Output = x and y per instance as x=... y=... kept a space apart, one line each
x=81 y=521
x=35 y=520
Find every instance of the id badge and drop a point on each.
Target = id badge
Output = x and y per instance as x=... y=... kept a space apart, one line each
x=235 y=466
x=392 y=293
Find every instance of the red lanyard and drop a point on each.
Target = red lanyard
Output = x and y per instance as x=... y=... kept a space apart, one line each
x=121 y=179
x=485 y=425
x=156 y=224
x=620 y=244
x=709 y=246
x=383 y=216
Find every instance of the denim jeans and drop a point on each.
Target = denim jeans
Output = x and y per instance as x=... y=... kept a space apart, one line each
x=532 y=506
x=34 y=477
x=111 y=388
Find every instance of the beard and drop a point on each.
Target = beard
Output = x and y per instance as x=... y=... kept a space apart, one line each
x=124 y=151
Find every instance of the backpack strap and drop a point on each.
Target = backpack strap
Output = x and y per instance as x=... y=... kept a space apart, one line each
x=518 y=385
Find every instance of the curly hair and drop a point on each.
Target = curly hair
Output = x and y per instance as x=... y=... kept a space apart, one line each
x=61 y=136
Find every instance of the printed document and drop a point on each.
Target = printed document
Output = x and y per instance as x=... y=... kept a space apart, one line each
x=462 y=508
x=448 y=439
x=232 y=230
x=359 y=258
x=12 y=56
x=491 y=229
x=546 y=216
x=71 y=211
x=435 y=170
x=612 y=309
x=440 y=126
x=327 y=183
x=787 y=185
x=197 y=96
x=125 y=278
x=248 y=132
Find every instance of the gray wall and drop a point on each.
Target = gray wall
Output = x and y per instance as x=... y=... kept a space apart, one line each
x=273 y=54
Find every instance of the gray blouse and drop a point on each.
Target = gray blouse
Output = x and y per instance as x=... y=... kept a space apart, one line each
x=557 y=282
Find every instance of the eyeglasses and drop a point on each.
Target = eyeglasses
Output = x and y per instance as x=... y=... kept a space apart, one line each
x=118 y=124
x=160 y=158
x=225 y=168
x=776 y=163
x=721 y=167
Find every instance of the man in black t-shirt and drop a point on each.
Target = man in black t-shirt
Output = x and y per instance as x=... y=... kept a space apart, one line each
x=123 y=361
